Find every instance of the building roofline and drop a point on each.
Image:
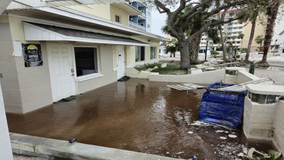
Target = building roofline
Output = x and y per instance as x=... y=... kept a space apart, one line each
x=84 y=17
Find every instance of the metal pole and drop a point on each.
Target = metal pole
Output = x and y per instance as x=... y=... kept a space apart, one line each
x=206 y=49
x=5 y=143
x=274 y=47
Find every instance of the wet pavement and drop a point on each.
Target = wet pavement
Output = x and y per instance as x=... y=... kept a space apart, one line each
x=136 y=115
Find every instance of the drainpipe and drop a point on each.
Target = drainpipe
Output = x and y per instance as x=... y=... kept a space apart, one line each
x=5 y=143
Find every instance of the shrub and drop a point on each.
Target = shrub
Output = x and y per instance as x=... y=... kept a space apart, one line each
x=214 y=53
x=140 y=68
x=144 y=67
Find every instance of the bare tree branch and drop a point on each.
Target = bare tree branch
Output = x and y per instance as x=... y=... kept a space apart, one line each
x=162 y=6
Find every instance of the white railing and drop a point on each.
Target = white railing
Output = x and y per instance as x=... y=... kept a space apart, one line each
x=136 y=26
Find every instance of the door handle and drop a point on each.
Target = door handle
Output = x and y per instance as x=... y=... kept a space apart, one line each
x=72 y=74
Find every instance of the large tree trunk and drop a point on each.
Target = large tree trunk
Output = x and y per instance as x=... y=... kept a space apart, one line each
x=184 y=54
x=194 y=49
x=272 y=15
x=223 y=44
x=250 y=39
x=221 y=33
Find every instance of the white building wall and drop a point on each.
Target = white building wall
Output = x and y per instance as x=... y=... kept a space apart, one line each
x=278 y=136
x=34 y=82
x=5 y=144
x=258 y=120
x=148 y=20
x=279 y=27
x=10 y=82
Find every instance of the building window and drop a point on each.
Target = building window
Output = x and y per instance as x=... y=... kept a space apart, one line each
x=263 y=99
x=86 y=61
x=139 y=54
x=117 y=18
x=240 y=28
x=153 y=53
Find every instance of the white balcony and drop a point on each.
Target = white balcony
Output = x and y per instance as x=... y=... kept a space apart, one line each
x=142 y=16
x=137 y=26
x=238 y=25
x=237 y=30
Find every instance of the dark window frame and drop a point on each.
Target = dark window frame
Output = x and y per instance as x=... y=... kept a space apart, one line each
x=117 y=18
x=141 y=54
x=86 y=60
x=153 y=56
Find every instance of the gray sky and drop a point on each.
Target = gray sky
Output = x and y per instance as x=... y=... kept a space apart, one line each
x=158 y=21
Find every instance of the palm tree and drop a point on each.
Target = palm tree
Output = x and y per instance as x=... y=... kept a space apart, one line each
x=234 y=46
x=254 y=9
x=241 y=36
x=172 y=47
x=259 y=39
x=271 y=12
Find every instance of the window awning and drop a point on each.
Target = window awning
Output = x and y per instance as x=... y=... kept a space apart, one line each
x=40 y=32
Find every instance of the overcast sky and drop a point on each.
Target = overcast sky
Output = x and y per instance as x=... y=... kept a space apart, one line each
x=158 y=21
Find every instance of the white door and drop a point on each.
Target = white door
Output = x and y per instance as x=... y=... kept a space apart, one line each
x=61 y=70
x=120 y=62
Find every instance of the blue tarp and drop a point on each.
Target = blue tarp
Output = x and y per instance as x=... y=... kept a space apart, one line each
x=222 y=107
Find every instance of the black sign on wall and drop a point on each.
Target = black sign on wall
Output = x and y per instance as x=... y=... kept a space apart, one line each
x=32 y=55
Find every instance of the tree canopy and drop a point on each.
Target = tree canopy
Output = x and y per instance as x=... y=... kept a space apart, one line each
x=181 y=13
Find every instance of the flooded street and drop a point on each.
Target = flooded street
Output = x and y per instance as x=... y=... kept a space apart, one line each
x=136 y=115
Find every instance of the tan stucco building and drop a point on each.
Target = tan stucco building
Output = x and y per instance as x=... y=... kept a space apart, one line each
x=53 y=52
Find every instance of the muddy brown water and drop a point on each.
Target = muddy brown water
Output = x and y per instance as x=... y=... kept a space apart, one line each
x=136 y=115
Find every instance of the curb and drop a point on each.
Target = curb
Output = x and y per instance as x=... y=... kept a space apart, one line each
x=46 y=147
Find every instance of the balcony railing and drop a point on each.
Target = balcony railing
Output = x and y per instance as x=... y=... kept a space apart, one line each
x=137 y=26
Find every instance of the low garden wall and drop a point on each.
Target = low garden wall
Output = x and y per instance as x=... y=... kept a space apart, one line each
x=244 y=76
x=204 y=77
x=133 y=73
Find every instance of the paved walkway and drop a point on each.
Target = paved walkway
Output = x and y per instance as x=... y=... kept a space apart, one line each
x=18 y=157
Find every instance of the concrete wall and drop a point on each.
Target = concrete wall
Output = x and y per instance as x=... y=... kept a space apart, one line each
x=99 y=10
x=244 y=76
x=205 y=77
x=106 y=68
x=278 y=136
x=231 y=78
x=10 y=82
x=34 y=82
x=258 y=120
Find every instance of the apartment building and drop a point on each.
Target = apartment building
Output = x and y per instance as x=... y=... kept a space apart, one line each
x=231 y=29
x=143 y=21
